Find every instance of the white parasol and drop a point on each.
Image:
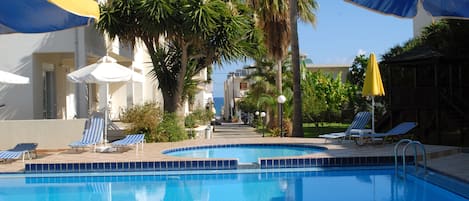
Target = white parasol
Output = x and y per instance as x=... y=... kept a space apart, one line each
x=10 y=78
x=106 y=70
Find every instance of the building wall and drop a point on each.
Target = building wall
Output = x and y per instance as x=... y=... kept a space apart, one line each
x=421 y=20
x=232 y=93
x=333 y=69
x=49 y=134
x=16 y=57
x=63 y=52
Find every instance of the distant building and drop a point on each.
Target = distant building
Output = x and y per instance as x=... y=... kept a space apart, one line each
x=204 y=97
x=235 y=88
x=332 y=69
x=422 y=19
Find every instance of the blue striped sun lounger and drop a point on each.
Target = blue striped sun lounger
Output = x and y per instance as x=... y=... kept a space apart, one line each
x=399 y=130
x=130 y=140
x=20 y=150
x=358 y=125
x=92 y=134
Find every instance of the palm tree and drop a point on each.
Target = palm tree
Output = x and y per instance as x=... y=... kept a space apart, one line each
x=278 y=21
x=196 y=34
x=272 y=17
x=304 y=9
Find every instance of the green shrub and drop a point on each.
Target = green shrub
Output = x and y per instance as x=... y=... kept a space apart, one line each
x=143 y=119
x=198 y=117
x=189 y=121
x=170 y=130
x=275 y=132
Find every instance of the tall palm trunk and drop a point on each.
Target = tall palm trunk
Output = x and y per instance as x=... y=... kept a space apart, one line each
x=170 y=97
x=278 y=81
x=279 y=85
x=297 y=130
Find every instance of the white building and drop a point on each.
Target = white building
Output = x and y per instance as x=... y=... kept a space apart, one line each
x=57 y=105
x=204 y=96
x=235 y=88
x=422 y=19
x=46 y=59
x=332 y=69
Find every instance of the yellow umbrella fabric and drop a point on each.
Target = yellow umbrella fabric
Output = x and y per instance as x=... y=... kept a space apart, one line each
x=373 y=85
x=86 y=8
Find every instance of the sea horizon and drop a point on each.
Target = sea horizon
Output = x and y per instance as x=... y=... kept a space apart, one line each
x=218 y=102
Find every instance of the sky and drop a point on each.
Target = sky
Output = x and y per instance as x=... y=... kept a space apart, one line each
x=342 y=32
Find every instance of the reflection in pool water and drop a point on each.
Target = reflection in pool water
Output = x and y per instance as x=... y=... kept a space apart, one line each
x=351 y=185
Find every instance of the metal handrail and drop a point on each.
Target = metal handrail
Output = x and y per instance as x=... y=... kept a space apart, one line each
x=409 y=143
x=424 y=157
x=396 y=151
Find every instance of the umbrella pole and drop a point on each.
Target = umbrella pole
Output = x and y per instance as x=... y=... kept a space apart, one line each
x=373 y=114
x=105 y=114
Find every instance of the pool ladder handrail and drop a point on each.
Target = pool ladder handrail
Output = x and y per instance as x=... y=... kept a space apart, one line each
x=404 y=151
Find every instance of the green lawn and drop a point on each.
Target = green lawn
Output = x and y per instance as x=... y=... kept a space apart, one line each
x=310 y=129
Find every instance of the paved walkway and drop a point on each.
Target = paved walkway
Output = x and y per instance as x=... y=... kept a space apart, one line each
x=442 y=158
x=234 y=130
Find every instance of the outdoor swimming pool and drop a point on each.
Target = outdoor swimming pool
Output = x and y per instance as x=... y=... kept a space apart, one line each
x=245 y=153
x=298 y=184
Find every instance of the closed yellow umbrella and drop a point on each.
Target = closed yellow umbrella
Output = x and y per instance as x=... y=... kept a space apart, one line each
x=373 y=85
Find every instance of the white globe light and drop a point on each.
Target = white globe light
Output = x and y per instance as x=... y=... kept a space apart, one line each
x=257 y=113
x=281 y=99
x=262 y=114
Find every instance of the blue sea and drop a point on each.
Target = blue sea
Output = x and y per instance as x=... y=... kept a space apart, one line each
x=218 y=104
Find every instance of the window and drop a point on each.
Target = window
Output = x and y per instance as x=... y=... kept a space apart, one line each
x=243 y=85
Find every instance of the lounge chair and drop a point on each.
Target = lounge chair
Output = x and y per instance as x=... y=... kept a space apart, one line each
x=19 y=150
x=130 y=140
x=398 y=131
x=92 y=134
x=358 y=125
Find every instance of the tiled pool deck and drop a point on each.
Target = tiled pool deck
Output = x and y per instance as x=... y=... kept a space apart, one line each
x=448 y=160
x=353 y=154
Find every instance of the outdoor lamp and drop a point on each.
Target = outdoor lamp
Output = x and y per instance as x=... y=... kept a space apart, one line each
x=263 y=124
x=281 y=100
x=257 y=113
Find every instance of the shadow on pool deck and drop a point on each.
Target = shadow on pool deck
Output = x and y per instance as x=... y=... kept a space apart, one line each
x=446 y=159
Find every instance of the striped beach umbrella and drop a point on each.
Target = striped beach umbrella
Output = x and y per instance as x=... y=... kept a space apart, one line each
x=39 y=16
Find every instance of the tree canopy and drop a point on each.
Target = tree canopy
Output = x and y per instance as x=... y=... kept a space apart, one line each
x=182 y=37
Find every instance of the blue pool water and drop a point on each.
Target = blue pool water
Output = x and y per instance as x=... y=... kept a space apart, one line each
x=245 y=153
x=300 y=185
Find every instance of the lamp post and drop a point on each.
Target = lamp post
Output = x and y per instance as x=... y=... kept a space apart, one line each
x=281 y=100
x=233 y=101
x=212 y=109
x=263 y=124
x=257 y=117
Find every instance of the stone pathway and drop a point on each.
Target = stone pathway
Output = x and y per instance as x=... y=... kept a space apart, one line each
x=234 y=130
